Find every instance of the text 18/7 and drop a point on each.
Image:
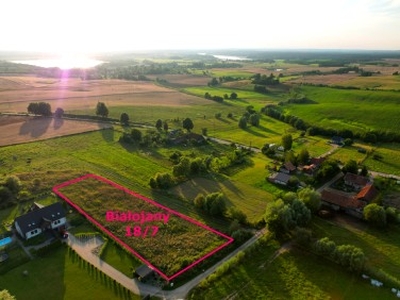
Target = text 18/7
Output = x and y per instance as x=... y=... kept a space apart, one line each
x=138 y=231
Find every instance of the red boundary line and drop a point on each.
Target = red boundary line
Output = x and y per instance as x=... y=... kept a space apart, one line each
x=80 y=210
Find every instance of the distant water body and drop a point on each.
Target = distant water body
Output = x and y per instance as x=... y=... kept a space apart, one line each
x=226 y=57
x=81 y=63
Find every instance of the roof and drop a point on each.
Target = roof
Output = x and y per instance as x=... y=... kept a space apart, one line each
x=317 y=160
x=341 y=199
x=33 y=219
x=355 y=179
x=143 y=271
x=280 y=177
x=368 y=193
x=289 y=166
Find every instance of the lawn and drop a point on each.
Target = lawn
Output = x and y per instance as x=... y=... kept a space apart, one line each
x=59 y=276
x=293 y=275
x=172 y=243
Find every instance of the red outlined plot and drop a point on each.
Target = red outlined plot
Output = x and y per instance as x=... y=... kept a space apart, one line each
x=224 y=239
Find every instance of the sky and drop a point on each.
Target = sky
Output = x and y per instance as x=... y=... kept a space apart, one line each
x=86 y=26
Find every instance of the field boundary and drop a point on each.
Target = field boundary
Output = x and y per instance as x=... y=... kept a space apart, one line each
x=56 y=190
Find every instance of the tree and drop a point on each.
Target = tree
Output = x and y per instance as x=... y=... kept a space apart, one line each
x=287 y=141
x=304 y=156
x=243 y=122
x=350 y=167
x=124 y=119
x=325 y=247
x=351 y=257
x=13 y=184
x=136 y=135
x=300 y=213
x=5 y=295
x=375 y=215
x=159 y=124
x=41 y=108
x=59 y=112
x=165 y=126
x=238 y=215
x=199 y=201
x=188 y=124
x=254 y=119
x=364 y=171
x=5 y=196
x=233 y=96
x=101 y=109
x=311 y=198
x=215 y=204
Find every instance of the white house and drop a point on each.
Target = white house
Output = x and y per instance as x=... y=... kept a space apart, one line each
x=40 y=220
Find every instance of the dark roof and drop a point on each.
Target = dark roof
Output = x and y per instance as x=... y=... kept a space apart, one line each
x=367 y=193
x=355 y=179
x=34 y=219
x=143 y=271
x=341 y=199
x=280 y=177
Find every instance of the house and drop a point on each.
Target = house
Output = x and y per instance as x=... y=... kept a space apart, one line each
x=368 y=193
x=337 y=140
x=280 y=178
x=342 y=201
x=287 y=168
x=40 y=219
x=356 y=181
x=144 y=272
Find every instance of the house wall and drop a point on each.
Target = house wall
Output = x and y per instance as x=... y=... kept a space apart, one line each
x=58 y=223
x=32 y=233
x=19 y=229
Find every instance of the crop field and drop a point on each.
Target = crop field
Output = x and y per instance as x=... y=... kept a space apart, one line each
x=390 y=161
x=328 y=79
x=183 y=80
x=78 y=95
x=16 y=130
x=356 y=110
x=375 y=82
x=166 y=240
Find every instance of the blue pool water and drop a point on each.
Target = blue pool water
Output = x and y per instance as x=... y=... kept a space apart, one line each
x=5 y=241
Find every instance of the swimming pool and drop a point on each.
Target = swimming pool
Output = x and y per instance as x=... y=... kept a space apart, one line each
x=5 y=241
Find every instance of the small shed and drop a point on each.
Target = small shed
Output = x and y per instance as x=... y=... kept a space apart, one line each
x=144 y=272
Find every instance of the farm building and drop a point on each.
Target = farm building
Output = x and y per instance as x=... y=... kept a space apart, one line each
x=40 y=219
x=368 y=193
x=342 y=201
x=280 y=178
x=356 y=181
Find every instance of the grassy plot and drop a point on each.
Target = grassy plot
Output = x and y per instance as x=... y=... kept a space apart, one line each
x=374 y=82
x=60 y=276
x=292 y=275
x=172 y=245
x=385 y=158
x=382 y=248
x=356 y=110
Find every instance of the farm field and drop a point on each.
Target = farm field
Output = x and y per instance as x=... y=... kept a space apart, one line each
x=172 y=243
x=16 y=130
x=75 y=94
x=357 y=110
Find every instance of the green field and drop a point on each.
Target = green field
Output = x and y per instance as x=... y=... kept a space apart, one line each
x=374 y=82
x=60 y=276
x=292 y=275
x=357 y=110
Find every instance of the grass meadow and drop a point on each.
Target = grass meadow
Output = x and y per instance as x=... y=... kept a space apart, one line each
x=292 y=275
x=65 y=277
x=357 y=110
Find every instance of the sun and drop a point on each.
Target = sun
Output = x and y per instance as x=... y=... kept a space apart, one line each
x=68 y=61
